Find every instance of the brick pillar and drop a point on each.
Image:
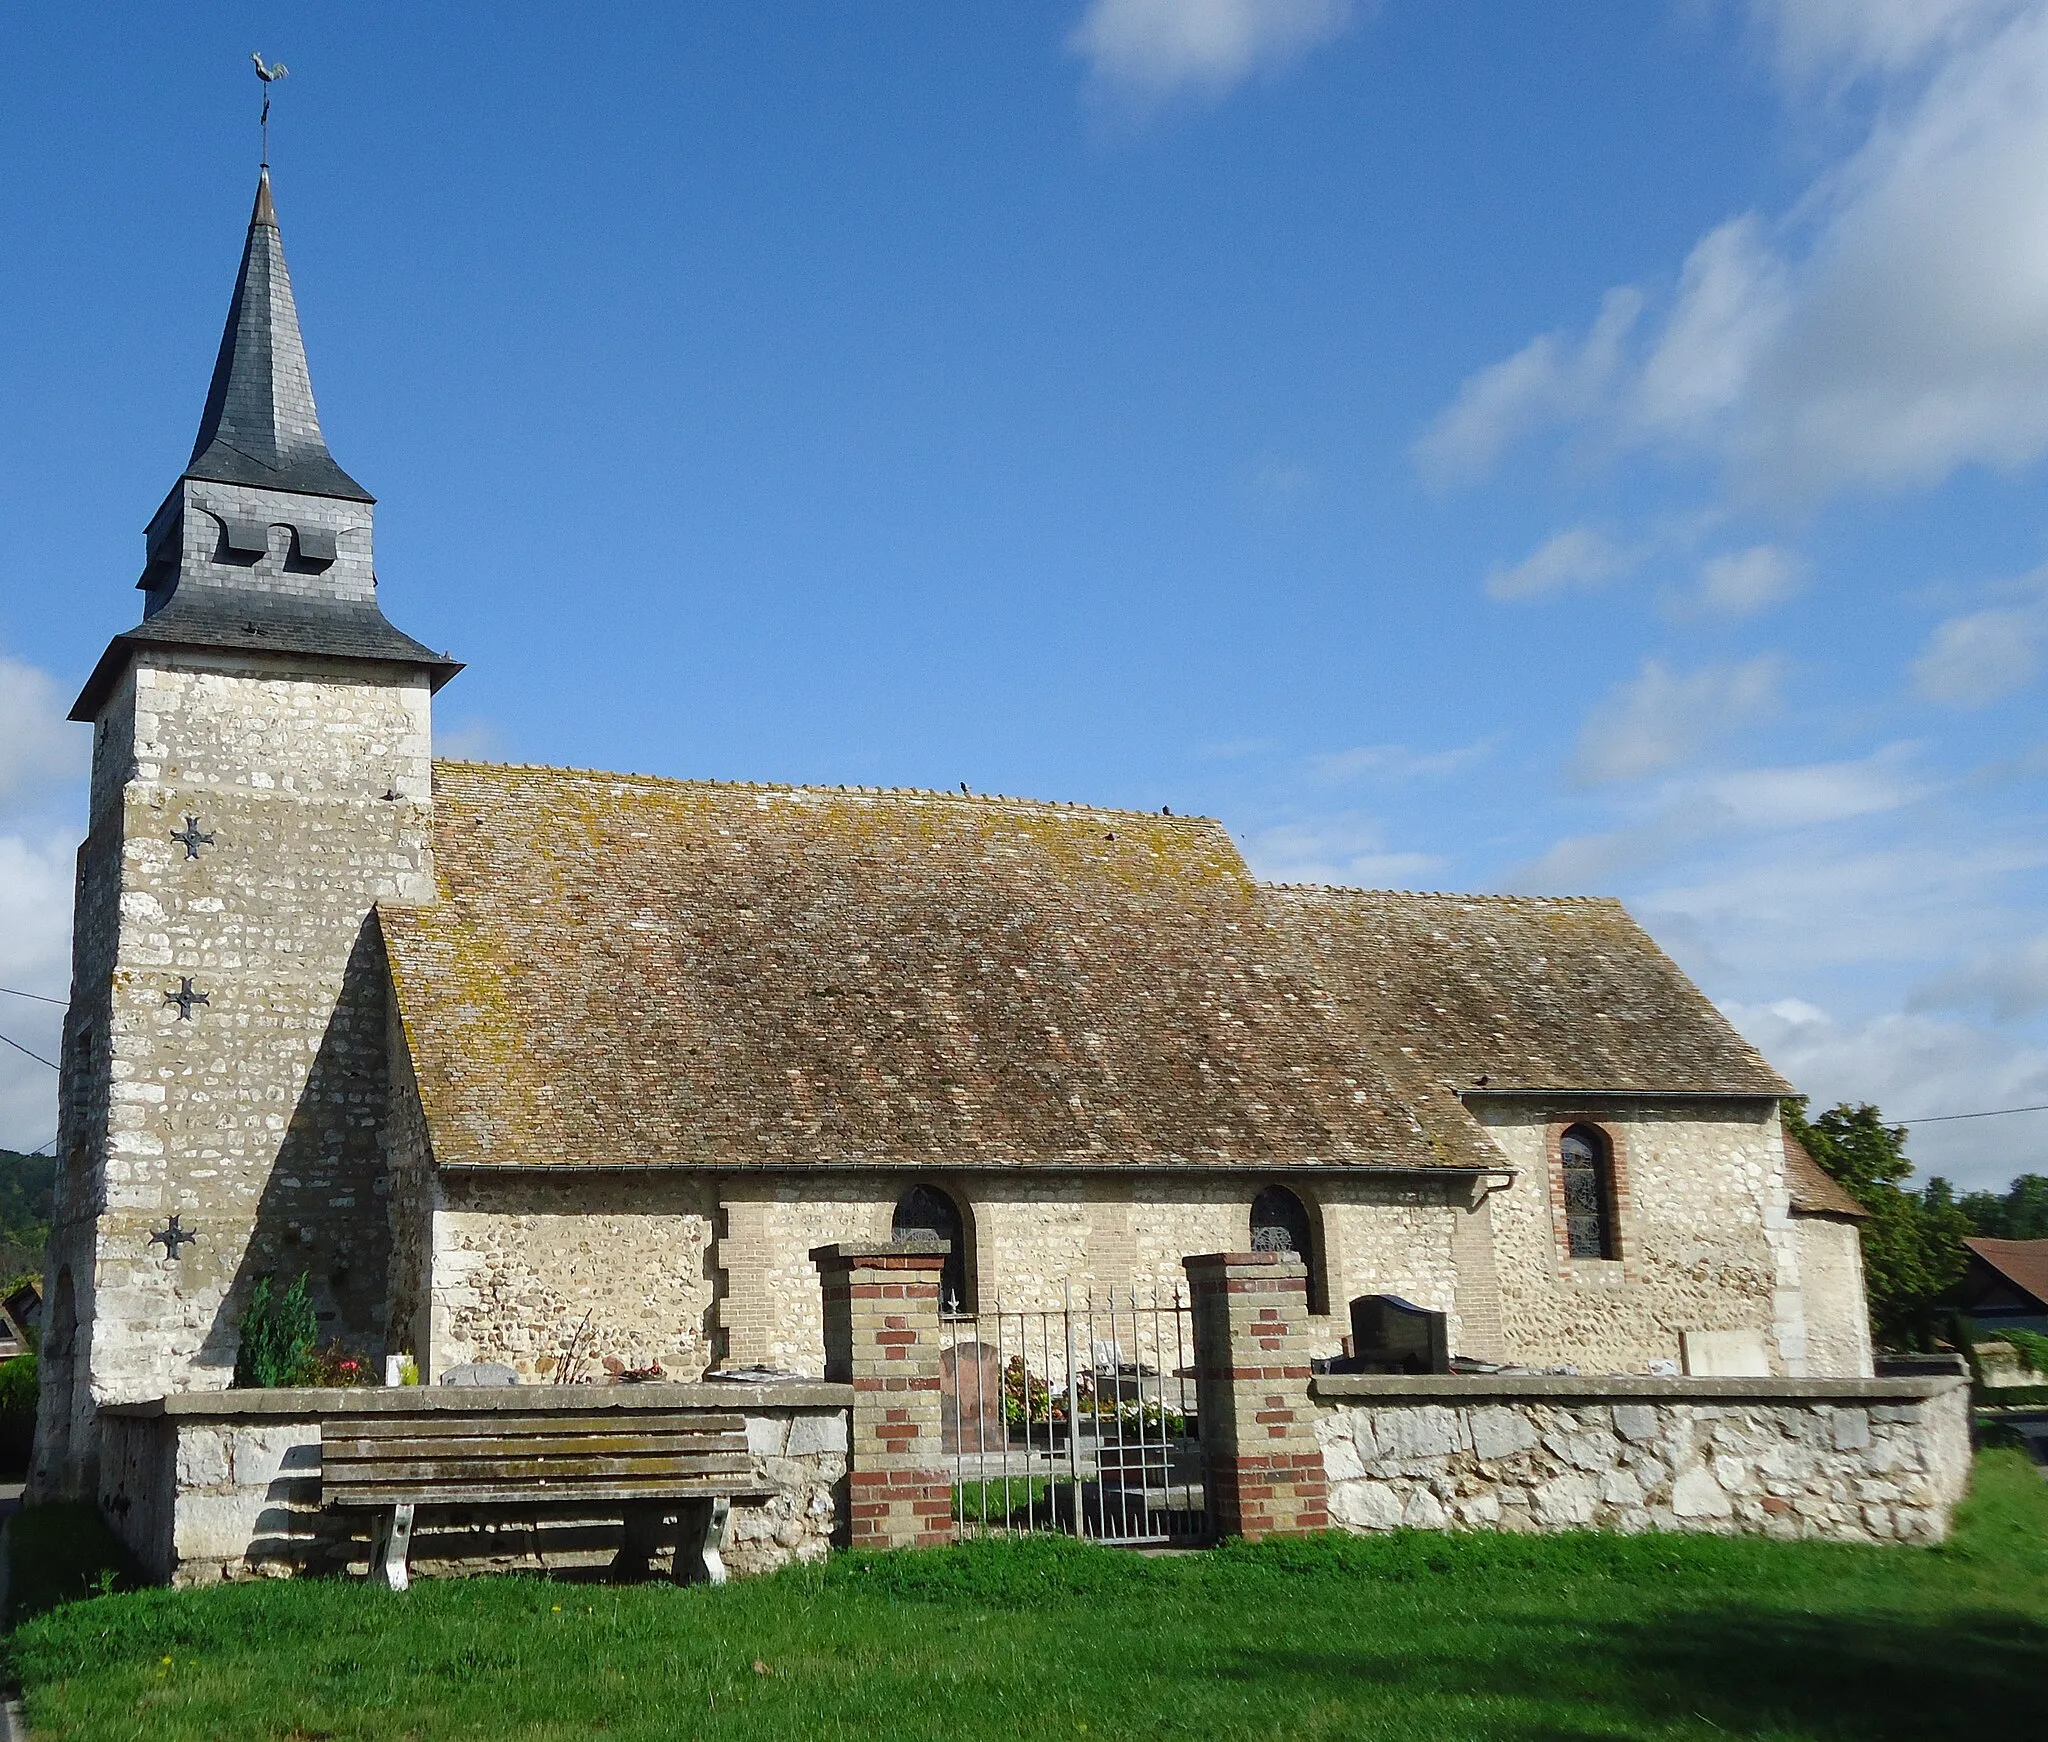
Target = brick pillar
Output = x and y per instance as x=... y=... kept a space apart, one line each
x=1264 y=1468
x=882 y=1337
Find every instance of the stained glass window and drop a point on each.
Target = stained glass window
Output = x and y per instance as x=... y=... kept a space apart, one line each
x=1588 y=1194
x=927 y=1210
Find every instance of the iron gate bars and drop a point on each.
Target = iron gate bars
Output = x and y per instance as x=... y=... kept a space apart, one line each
x=1078 y=1418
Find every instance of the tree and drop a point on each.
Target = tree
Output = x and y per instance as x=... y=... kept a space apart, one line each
x=1913 y=1243
x=2020 y=1214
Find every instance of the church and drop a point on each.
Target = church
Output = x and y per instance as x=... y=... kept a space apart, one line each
x=515 y=1062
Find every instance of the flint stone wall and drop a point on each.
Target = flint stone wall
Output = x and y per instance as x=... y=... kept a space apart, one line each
x=205 y=1487
x=1846 y=1460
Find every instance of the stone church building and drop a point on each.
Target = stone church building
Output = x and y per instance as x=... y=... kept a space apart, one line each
x=504 y=1058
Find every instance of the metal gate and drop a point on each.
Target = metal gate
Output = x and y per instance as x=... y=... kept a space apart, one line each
x=1078 y=1419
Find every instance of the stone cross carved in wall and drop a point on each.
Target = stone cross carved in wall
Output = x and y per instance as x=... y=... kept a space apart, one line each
x=173 y=1237
x=191 y=837
x=185 y=998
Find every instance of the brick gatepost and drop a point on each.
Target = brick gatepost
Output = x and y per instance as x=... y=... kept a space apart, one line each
x=882 y=1338
x=1264 y=1468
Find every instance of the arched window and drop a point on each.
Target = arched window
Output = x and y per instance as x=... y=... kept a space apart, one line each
x=927 y=1210
x=1588 y=1193
x=1281 y=1223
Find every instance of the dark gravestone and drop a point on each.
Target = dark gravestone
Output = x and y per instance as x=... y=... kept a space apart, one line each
x=1391 y=1335
x=971 y=1398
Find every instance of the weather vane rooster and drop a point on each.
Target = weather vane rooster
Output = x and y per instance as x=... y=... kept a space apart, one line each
x=269 y=75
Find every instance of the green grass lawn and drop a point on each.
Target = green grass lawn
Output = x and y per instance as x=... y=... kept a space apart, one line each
x=1411 y=1636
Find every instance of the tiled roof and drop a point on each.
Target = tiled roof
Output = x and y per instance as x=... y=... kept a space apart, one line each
x=1815 y=1191
x=2023 y=1263
x=244 y=619
x=1516 y=993
x=626 y=970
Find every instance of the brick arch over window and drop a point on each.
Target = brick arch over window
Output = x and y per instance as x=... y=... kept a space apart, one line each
x=1585 y=1160
x=1283 y=1222
x=930 y=1209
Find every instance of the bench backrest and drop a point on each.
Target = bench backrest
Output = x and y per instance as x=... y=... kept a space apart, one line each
x=496 y=1457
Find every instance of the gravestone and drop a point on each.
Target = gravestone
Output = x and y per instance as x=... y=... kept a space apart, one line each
x=971 y=1399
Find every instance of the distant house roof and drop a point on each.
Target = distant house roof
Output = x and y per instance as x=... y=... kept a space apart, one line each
x=2021 y=1263
x=1815 y=1191
x=1505 y=993
x=627 y=970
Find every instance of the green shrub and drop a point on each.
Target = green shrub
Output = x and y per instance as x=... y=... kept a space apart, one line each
x=279 y=1335
x=19 y=1380
x=2033 y=1347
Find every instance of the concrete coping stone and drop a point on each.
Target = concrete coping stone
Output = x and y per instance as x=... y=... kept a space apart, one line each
x=1499 y=1387
x=487 y=1399
x=857 y=1251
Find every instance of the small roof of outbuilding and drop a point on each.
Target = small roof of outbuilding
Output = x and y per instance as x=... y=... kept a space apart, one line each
x=624 y=970
x=1501 y=993
x=2023 y=1263
x=1815 y=1191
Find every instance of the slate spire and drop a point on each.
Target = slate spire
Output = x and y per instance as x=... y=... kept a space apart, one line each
x=260 y=426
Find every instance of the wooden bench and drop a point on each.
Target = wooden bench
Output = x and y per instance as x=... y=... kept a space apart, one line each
x=688 y=1464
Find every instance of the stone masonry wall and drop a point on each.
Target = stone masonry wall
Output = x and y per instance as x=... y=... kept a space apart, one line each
x=1032 y=1238
x=257 y=1119
x=1836 y=1308
x=1855 y=1461
x=211 y=1495
x=522 y=1264
x=1704 y=1227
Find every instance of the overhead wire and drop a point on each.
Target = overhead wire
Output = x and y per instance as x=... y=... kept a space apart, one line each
x=38 y=1057
x=14 y=992
x=1988 y=1113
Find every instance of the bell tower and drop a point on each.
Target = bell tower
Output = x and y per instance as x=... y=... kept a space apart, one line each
x=261 y=778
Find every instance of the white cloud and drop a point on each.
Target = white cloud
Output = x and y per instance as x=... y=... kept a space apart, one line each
x=1334 y=849
x=40 y=754
x=1157 y=47
x=1892 y=328
x=1552 y=379
x=1581 y=559
x=1744 y=582
x=1836 y=42
x=1397 y=762
x=38 y=745
x=1661 y=718
x=2010 y=980
x=1819 y=793
x=1914 y=1066
x=1687 y=816
x=1979 y=658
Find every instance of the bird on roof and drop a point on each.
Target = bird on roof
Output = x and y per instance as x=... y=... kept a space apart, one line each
x=269 y=75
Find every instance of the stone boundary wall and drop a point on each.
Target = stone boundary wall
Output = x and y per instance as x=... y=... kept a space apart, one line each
x=207 y=1486
x=1850 y=1460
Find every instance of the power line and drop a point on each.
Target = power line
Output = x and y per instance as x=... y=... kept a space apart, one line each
x=1988 y=1113
x=61 y=1003
x=18 y=1047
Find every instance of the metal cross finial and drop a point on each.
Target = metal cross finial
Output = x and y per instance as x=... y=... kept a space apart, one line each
x=269 y=75
x=171 y=1238
x=192 y=838
x=185 y=998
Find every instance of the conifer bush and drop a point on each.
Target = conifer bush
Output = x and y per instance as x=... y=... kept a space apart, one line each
x=279 y=1336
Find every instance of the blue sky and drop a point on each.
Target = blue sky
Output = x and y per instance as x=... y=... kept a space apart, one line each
x=1589 y=448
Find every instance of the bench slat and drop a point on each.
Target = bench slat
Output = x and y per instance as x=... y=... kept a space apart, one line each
x=609 y=1494
x=541 y=1472
x=348 y=1450
x=544 y=1423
